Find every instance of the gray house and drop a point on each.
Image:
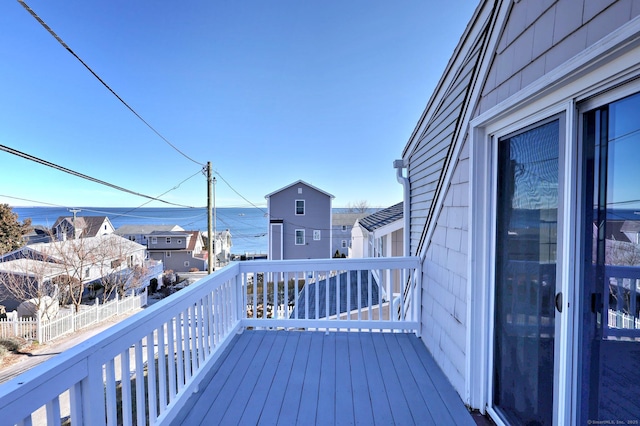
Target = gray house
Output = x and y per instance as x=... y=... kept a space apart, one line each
x=179 y=251
x=525 y=156
x=299 y=222
x=69 y=228
x=140 y=233
x=342 y=224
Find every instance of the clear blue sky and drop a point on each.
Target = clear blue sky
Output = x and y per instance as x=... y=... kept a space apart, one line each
x=269 y=91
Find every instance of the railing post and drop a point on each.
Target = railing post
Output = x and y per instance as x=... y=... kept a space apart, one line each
x=39 y=327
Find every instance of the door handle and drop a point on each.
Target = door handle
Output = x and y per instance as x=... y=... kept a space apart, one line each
x=559 y=302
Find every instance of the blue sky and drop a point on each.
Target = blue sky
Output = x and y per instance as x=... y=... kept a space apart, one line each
x=269 y=91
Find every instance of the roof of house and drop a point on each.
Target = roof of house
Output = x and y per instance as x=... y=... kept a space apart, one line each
x=194 y=239
x=169 y=233
x=348 y=219
x=382 y=218
x=32 y=268
x=630 y=226
x=322 y=295
x=69 y=249
x=90 y=225
x=145 y=229
x=298 y=182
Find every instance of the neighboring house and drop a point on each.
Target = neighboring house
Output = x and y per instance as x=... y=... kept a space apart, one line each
x=504 y=176
x=299 y=222
x=85 y=259
x=221 y=248
x=34 y=276
x=69 y=228
x=379 y=234
x=342 y=223
x=179 y=251
x=140 y=233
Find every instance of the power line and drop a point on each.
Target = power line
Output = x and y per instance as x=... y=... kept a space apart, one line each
x=83 y=176
x=50 y=31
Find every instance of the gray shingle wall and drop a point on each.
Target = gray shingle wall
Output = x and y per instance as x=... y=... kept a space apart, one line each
x=540 y=35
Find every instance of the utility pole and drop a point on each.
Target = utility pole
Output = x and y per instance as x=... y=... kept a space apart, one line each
x=214 y=223
x=74 y=211
x=209 y=230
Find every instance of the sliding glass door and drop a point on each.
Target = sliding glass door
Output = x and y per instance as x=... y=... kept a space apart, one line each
x=610 y=291
x=525 y=279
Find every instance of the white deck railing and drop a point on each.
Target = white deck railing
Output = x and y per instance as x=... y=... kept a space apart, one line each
x=144 y=369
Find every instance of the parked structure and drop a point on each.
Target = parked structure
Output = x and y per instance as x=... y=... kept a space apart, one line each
x=299 y=222
x=342 y=224
x=379 y=234
x=179 y=251
x=525 y=306
x=69 y=228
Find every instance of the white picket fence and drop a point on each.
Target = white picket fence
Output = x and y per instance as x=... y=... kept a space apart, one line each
x=44 y=330
x=623 y=321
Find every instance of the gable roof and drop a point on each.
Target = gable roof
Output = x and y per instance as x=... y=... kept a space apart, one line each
x=90 y=225
x=298 y=182
x=348 y=219
x=333 y=308
x=383 y=217
x=146 y=229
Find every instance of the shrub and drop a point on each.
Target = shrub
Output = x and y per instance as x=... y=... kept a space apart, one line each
x=12 y=343
x=194 y=270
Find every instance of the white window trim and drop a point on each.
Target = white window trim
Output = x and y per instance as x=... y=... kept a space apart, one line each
x=168 y=240
x=154 y=240
x=304 y=208
x=317 y=233
x=296 y=237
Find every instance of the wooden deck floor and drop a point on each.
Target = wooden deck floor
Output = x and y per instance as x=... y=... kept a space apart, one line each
x=302 y=377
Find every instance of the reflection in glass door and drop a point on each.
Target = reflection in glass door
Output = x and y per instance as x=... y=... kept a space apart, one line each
x=610 y=373
x=526 y=246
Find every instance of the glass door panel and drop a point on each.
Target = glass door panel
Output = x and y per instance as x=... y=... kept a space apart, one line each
x=525 y=288
x=611 y=289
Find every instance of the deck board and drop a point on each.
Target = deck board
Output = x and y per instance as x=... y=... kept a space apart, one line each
x=296 y=377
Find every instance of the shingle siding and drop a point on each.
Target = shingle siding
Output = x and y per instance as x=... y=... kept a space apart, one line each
x=540 y=35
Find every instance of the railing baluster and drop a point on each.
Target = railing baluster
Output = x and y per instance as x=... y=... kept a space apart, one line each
x=181 y=350
x=110 y=384
x=140 y=395
x=125 y=387
x=162 y=369
x=171 y=358
x=151 y=378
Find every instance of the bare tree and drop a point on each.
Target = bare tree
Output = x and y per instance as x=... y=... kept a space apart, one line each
x=31 y=280
x=122 y=268
x=361 y=206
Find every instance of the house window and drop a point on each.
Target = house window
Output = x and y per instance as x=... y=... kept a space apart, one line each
x=344 y=228
x=299 y=237
x=132 y=237
x=167 y=254
x=299 y=190
x=344 y=243
x=87 y=272
x=186 y=263
x=154 y=240
x=168 y=240
x=179 y=241
x=316 y=235
x=299 y=207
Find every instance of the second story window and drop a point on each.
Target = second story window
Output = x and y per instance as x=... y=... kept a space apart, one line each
x=154 y=240
x=299 y=207
x=344 y=228
x=299 y=237
x=168 y=240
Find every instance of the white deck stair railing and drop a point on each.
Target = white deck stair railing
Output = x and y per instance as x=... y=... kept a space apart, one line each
x=144 y=369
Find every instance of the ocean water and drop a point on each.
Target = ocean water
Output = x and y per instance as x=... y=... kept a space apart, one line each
x=248 y=226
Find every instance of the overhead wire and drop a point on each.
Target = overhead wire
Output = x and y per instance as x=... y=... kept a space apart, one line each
x=83 y=176
x=50 y=31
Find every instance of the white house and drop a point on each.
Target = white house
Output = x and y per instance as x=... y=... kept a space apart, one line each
x=379 y=234
x=529 y=141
